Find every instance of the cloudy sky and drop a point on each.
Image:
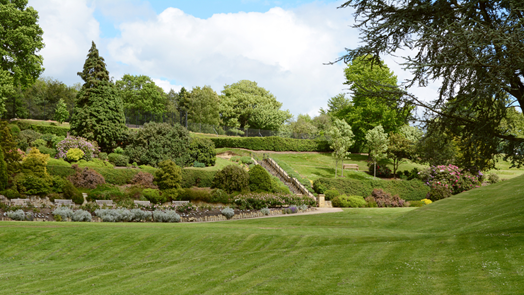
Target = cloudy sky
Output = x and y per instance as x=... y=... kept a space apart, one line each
x=282 y=45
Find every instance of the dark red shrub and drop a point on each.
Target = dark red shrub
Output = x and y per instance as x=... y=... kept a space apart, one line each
x=144 y=179
x=384 y=199
x=87 y=178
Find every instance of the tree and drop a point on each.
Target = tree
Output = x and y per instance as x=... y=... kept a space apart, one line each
x=61 y=113
x=399 y=148
x=202 y=105
x=303 y=127
x=473 y=48
x=20 y=41
x=377 y=143
x=98 y=113
x=341 y=140
x=336 y=104
x=140 y=94
x=168 y=176
x=246 y=105
x=3 y=172
x=366 y=112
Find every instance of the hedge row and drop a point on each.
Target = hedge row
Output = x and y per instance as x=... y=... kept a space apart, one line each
x=43 y=129
x=190 y=177
x=412 y=190
x=272 y=143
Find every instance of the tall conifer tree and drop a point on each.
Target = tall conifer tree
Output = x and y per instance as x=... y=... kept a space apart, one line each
x=3 y=171
x=99 y=111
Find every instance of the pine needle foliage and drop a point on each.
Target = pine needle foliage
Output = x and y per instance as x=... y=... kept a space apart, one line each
x=99 y=112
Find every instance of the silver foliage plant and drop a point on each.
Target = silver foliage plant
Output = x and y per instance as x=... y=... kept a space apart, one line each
x=63 y=212
x=81 y=216
x=228 y=212
x=303 y=207
x=17 y=215
x=167 y=216
x=265 y=211
x=118 y=215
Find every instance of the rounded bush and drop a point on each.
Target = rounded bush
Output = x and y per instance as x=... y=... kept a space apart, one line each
x=169 y=176
x=265 y=211
x=17 y=215
x=167 y=216
x=75 y=154
x=349 y=201
x=70 y=142
x=202 y=150
x=81 y=216
x=118 y=159
x=231 y=178
x=63 y=212
x=143 y=179
x=87 y=178
x=153 y=195
x=228 y=212
x=331 y=194
x=259 y=179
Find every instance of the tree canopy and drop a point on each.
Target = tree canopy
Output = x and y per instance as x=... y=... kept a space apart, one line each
x=341 y=140
x=473 y=48
x=142 y=94
x=20 y=41
x=377 y=143
x=98 y=113
x=245 y=104
x=202 y=105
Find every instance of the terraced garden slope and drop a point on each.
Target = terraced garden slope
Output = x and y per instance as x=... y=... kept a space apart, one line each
x=471 y=243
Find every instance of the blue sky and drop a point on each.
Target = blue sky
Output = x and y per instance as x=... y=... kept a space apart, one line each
x=281 y=45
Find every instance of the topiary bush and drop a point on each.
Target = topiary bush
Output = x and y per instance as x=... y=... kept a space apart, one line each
x=349 y=201
x=231 y=178
x=202 y=150
x=86 y=178
x=331 y=194
x=74 y=154
x=168 y=176
x=157 y=142
x=259 y=179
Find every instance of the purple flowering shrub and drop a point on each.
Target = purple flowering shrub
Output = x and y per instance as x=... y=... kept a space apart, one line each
x=447 y=180
x=70 y=142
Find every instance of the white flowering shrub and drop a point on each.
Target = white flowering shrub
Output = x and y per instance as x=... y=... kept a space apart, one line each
x=63 y=212
x=228 y=212
x=17 y=215
x=264 y=211
x=81 y=216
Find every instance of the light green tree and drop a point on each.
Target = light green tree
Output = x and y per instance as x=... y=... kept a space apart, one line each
x=246 y=105
x=61 y=113
x=377 y=143
x=341 y=140
x=140 y=93
x=399 y=148
x=20 y=41
x=303 y=127
x=203 y=106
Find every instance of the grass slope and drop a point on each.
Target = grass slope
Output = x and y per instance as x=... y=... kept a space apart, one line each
x=471 y=243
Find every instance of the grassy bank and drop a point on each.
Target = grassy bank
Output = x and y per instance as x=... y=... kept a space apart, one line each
x=470 y=243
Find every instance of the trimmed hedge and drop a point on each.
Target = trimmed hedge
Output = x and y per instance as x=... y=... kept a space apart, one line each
x=409 y=190
x=197 y=177
x=272 y=143
x=44 y=129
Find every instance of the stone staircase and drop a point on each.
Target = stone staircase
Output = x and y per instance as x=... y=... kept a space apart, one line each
x=292 y=187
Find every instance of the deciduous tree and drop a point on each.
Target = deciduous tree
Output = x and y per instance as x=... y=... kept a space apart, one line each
x=341 y=140
x=377 y=143
x=61 y=113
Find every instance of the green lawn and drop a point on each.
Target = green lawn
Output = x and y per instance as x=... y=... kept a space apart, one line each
x=471 y=243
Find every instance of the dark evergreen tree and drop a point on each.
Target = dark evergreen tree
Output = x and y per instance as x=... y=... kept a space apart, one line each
x=3 y=171
x=99 y=111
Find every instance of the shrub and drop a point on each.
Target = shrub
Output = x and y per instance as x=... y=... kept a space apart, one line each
x=278 y=187
x=426 y=201
x=74 y=154
x=81 y=216
x=35 y=163
x=259 y=179
x=202 y=150
x=58 y=184
x=153 y=195
x=39 y=143
x=407 y=190
x=30 y=184
x=118 y=159
x=17 y=215
x=144 y=179
x=382 y=170
x=15 y=130
x=448 y=178
x=416 y=204
x=118 y=150
x=11 y=194
x=231 y=178
x=265 y=211
x=272 y=143
x=169 y=176
x=331 y=194
x=349 y=201
x=63 y=212
x=196 y=177
x=3 y=171
x=87 y=178
x=219 y=196
x=493 y=178
x=228 y=212
x=157 y=142
x=370 y=202
x=438 y=192
x=246 y=160
x=72 y=193
x=70 y=142
x=50 y=151
x=167 y=216
x=102 y=156
x=26 y=137
x=57 y=162
x=140 y=215
x=109 y=215
x=258 y=201
x=384 y=199
x=105 y=192
x=196 y=194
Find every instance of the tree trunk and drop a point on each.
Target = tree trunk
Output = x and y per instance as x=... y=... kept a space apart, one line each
x=342 y=167
x=336 y=167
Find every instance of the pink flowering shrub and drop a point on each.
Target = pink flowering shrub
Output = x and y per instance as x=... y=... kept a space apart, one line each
x=70 y=142
x=264 y=200
x=447 y=180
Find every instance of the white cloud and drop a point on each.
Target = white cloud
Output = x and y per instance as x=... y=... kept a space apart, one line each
x=282 y=50
x=166 y=85
x=69 y=27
